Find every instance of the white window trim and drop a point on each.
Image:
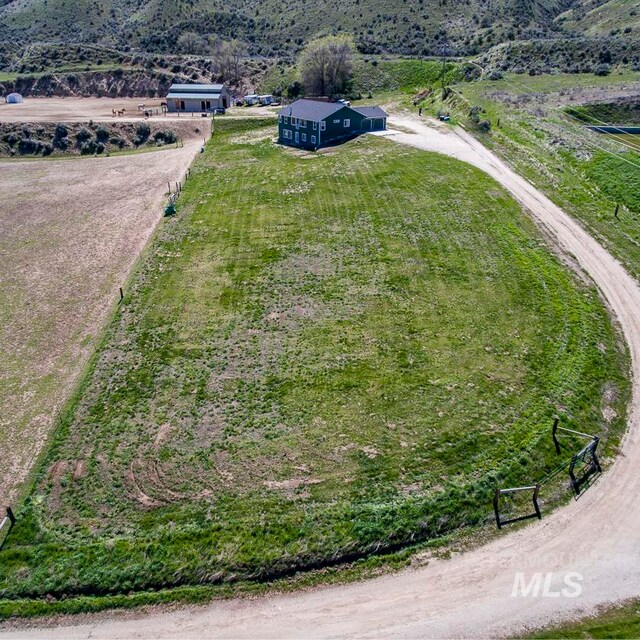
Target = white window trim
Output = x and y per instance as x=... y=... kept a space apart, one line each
x=286 y=120
x=323 y=125
x=347 y=122
x=336 y=121
x=315 y=125
x=304 y=137
x=313 y=139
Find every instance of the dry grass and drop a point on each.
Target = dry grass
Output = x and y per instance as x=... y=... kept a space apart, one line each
x=70 y=232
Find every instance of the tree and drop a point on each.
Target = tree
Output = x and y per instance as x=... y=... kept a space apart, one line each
x=190 y=42
x=326 y=66
x=228 y=58
x=294 y=90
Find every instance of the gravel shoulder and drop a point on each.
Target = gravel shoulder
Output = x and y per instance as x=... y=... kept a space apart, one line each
x=468 y=595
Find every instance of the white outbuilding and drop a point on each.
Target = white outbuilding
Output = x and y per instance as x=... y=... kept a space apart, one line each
x=14 y=98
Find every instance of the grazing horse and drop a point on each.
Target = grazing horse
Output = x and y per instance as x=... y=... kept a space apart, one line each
x=113 y=112
x=121 y=112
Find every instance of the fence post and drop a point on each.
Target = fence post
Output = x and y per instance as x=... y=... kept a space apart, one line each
x=496 y=499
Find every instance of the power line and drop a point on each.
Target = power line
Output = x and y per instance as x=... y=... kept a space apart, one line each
x=584 y=138
x=530 y=92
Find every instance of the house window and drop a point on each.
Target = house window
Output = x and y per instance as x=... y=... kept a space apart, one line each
x=323 y=125
x=347 y=123
x=315 y=126
x=304 y=137
x=286 y=120
x=279 y=118
x=336 y=121
x=313 y=139
x=303 y=124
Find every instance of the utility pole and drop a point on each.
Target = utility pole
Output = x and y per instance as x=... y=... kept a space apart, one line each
x=445 y=46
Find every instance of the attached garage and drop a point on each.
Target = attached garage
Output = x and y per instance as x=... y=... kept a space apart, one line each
x=375 y=118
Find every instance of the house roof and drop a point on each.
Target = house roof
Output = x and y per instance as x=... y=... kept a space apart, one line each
x=193 y=96
x=371 y=112
x=196 y=88
x=311 y=109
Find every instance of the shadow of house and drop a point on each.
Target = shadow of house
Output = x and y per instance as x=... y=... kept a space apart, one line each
x=312 y=123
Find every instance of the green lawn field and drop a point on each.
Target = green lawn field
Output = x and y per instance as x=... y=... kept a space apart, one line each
x=322 y=356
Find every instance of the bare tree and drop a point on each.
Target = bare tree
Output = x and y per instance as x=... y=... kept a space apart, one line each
x=326 y=66
x=228 y=58
x=190 y=42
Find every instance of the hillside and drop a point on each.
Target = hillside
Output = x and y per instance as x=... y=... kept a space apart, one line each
x=602 y=17
x=277 y=27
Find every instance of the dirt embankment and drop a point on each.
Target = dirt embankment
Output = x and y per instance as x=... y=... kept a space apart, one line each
x=54 y=139
x=118 y=83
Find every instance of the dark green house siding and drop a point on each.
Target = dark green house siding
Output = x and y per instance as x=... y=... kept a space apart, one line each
x=308 y=134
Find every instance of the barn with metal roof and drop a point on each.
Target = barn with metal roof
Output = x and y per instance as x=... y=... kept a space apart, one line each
x=197 y=98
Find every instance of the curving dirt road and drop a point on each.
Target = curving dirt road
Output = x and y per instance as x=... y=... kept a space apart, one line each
x=469 y=595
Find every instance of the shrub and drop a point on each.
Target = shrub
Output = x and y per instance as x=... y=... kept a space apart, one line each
x=603 y=70
x=11 y=139
x=143 y=131
x=474 y=114
x=60 y=132
x=168 y=136
x=83 y=135
x=28 y=146
x=88 y=148
x=102 y=134
x=61 y=143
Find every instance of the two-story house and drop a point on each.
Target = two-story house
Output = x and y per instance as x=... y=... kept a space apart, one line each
x=312 y=123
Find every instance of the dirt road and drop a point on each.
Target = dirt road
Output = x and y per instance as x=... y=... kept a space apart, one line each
x=70 y=231
x=469 y=595
x=101 y=110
